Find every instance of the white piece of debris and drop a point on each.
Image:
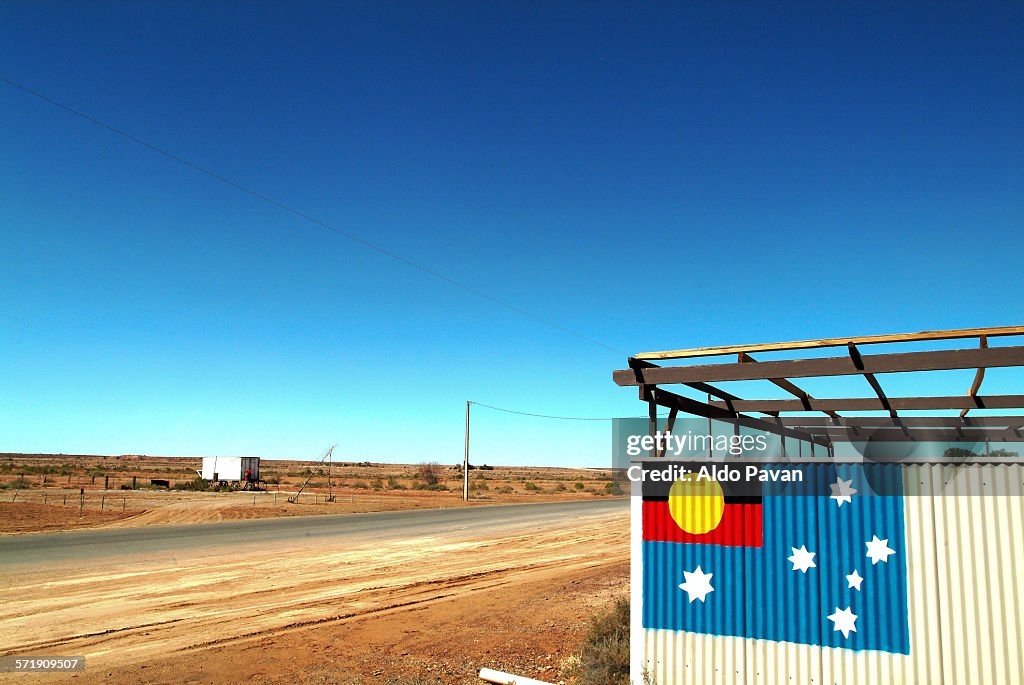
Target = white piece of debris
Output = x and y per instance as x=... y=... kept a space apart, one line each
x=492 y=676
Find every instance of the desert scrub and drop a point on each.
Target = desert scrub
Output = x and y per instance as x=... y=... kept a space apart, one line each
x=198 y=483
x=430 y=472
x=430 y=486
x=604 y=657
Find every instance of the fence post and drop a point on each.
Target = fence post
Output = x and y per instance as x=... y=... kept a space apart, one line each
x=65 y=499
x=81 y=502
x=103 y=500
x=122 y=504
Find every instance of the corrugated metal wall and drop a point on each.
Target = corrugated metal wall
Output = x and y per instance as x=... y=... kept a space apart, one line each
x=964 y=598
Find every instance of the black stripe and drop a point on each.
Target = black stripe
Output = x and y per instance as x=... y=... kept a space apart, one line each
x=729 y=499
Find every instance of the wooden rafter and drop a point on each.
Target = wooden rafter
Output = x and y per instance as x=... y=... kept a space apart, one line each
x=790 y=387
x=951 y=402
x=829 y=366
x=979 y=376
x=954 y=334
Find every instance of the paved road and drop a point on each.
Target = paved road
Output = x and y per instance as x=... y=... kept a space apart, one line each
x=51 y=548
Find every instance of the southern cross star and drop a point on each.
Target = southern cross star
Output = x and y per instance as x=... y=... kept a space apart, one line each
x=878 y=550
x=802 y=559
x=698 y=584
x=842 y=491
x=845 y=621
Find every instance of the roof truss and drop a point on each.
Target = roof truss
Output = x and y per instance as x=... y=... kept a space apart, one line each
x=824 y=430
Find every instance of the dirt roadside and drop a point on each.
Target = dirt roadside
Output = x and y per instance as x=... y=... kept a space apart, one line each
x=439 y=607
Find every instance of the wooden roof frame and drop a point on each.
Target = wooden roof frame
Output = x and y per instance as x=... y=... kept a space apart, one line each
x=825 y=430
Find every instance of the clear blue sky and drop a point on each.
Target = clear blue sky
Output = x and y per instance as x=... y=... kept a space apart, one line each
x=653 y=177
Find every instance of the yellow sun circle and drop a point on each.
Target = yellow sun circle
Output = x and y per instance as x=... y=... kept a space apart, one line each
x=696 y=505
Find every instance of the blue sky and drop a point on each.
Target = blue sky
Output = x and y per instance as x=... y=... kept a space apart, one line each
x=656 y=177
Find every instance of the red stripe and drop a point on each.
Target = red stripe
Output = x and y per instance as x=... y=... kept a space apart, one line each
x=740 y=526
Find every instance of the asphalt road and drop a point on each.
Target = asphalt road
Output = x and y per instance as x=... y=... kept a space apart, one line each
x=63 y=548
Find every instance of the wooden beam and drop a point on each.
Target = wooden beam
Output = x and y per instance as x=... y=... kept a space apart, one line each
x=807 y=422
x=873 y=404
x=671 y=400
x=921 y=435
x=955 y=334
x=858 y=361
x=829 y=366
x=790 y=387
x=637 y=364
x=979 y=376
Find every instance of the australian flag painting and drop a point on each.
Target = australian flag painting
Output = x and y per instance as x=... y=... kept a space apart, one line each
x=819 y=569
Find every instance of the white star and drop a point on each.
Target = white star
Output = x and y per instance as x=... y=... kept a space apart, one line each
x=844 y=621
x=854 y=580
x=878 y=550
x=841 y=491
x=698 y=584
x=802 y=559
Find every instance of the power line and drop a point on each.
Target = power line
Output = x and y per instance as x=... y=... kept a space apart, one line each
x=549 y=416
x=303 y=215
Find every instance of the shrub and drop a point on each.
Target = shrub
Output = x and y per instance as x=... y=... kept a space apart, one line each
x=579 y=486
x=430 y=486
x=377 y=484
x=612 y=488
x=16 y=484
x=430 y=472
x=360 y=485
x=604 y=657
x=198 y=483
x=533 y=487
x=479 y=485
x=393 y=484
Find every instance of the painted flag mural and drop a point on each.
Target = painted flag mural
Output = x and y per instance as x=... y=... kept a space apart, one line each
x=703 y=511
x=790 y=565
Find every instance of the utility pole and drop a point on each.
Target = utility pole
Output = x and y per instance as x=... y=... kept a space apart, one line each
x=465 y=461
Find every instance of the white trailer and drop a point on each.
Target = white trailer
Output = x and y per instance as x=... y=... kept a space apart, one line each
x=231 y=469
